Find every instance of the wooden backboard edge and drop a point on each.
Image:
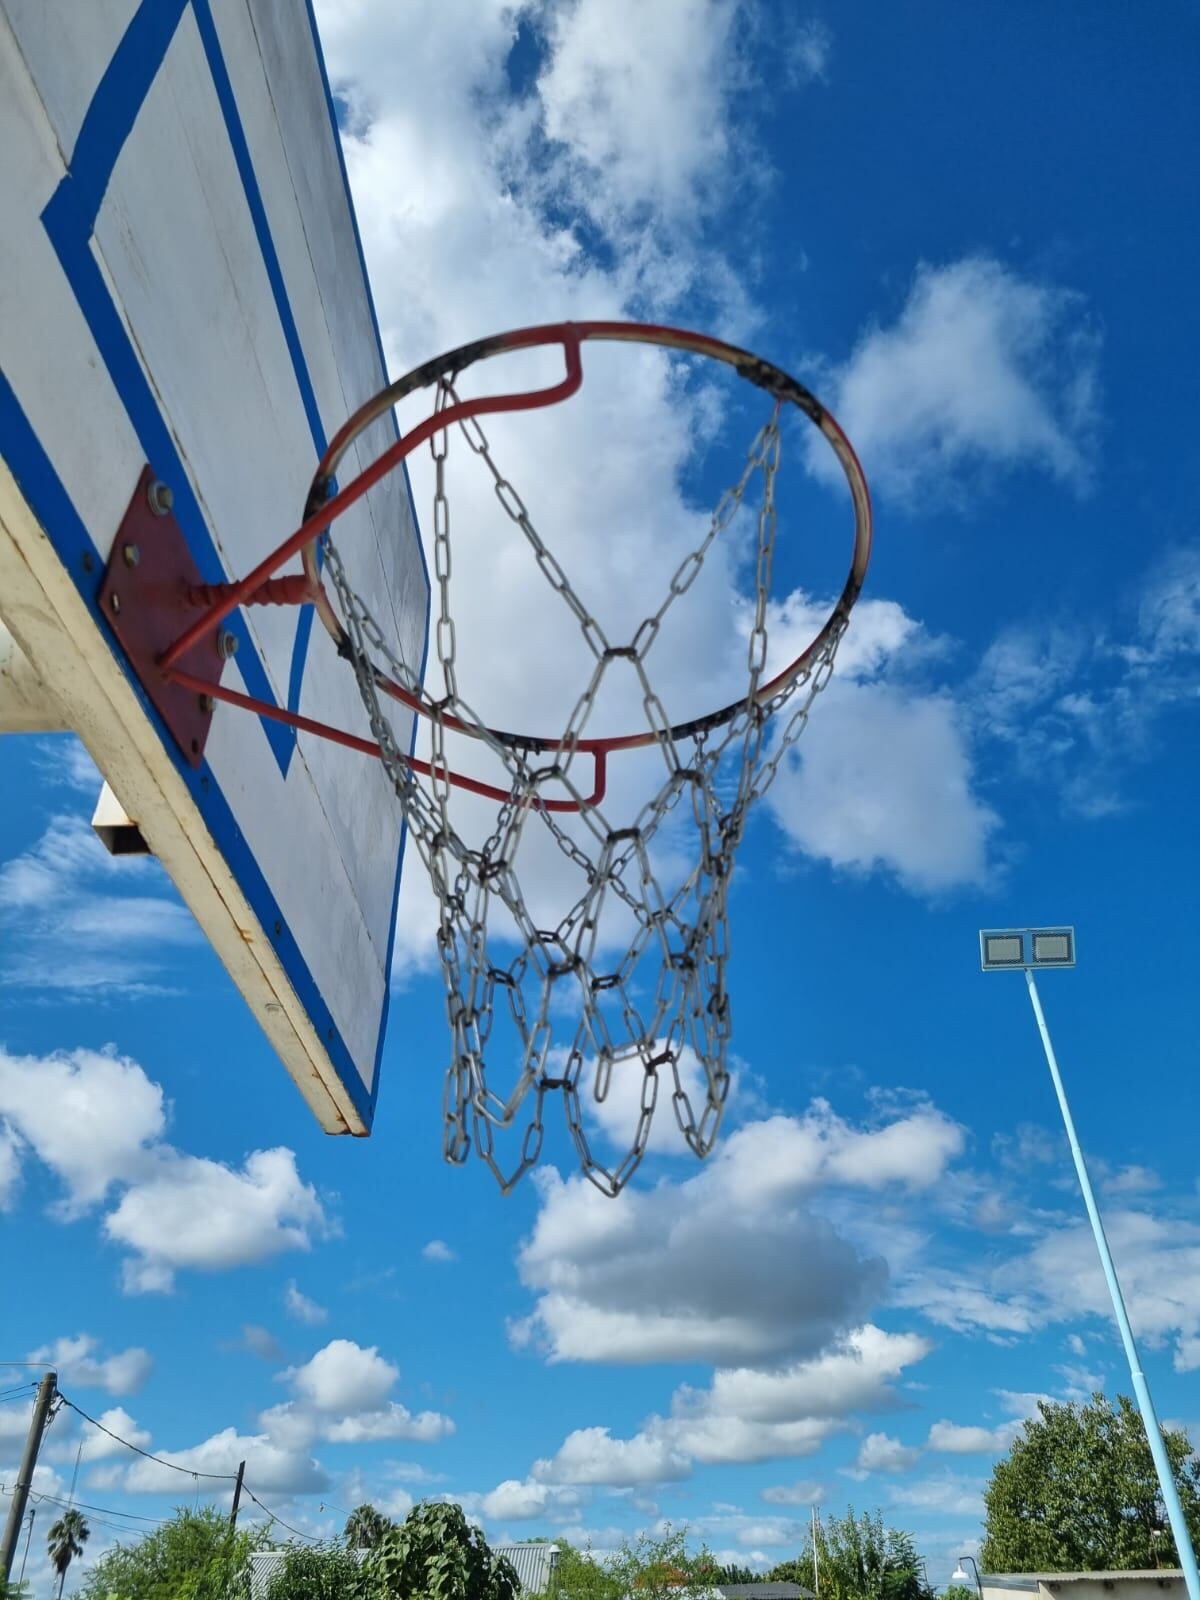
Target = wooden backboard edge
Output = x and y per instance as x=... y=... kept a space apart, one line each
x=51 y=623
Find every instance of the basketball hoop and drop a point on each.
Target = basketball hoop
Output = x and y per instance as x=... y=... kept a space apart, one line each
x=643 y=1005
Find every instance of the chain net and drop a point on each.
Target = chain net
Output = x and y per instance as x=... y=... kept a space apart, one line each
x=584 y=1012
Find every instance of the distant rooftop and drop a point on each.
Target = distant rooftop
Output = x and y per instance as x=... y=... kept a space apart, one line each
x=764 y=1591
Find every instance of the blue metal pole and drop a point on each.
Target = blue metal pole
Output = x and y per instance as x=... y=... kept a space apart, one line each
x=1162 y=1464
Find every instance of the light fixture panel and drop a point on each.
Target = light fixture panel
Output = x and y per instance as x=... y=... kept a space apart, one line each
x=1054 y=947
x=1001 y=949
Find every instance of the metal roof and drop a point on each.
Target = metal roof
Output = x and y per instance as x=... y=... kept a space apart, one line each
x=765 y=1591
x=535 y=1564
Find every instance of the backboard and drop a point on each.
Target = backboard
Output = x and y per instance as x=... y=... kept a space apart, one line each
x=183 y=301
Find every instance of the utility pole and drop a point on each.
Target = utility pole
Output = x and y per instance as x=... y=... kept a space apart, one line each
x=16 y=1511
x=237 y=1495
x=816 y=1569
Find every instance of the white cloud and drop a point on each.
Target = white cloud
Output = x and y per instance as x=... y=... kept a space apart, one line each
x=804 y=1492
x=193 y=1212
x=72 y=922
x=342 y=1396
x=948 y=1495
x=77 y=1364
x=438 y=1250
x=640 y=99
x=981 y=370
x=592 y=1455
x=96 y=1120
x=95 y=1445
x=745 y=1415
x=299 y=1306
x=517 y=1500
x=879 y=1452
x=270 y=1468
x=884 y=780
x=952 y=1438
x=343 y=1376
x=392 y=1421
x=88 y=1115
x=633 y=1282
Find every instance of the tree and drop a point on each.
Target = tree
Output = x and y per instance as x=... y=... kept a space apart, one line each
x=320 y=1572
x=195 y=1556
x=647 y=1569
x=435 y=1552
x=365 y=1527
x=65 y=1541
x=859 y=1559
x=958 y=1591
x=731 y=1572
x=1078 y=1492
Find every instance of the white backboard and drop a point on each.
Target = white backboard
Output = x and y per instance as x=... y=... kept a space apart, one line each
x=182 y=288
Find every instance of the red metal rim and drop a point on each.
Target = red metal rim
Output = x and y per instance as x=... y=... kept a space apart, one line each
x=321 y=508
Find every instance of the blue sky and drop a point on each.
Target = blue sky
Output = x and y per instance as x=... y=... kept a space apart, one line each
x=971 y=232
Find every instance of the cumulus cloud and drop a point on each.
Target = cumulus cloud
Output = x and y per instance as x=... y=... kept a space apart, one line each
x=955 y=1439
x=342 y=1395
x=746 y=1414
x=193 y=1212
x=981 y=370
x=271 y=1469
x=879 y=1452
x=78 y=1363
x=632 y=1283
x=169 y=1210
x=593 y=1456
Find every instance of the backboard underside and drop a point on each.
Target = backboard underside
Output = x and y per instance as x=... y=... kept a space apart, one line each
x=182 y=290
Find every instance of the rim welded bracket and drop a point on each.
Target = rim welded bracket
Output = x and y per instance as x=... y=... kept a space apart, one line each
x=149 y=595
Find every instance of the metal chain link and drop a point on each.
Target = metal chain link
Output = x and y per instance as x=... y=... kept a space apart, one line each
x=662 y=990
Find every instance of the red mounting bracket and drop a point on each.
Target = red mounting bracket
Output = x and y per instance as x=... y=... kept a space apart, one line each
x=148 y=597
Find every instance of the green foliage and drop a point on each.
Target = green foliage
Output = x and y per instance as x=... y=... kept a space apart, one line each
x=195 y=1556
x=436 y=1554
x=859 y=1559
x=798 y=1570
x=65 y=1541
x=1078 y=1493
x=649 y=1569
x=365 y=1527
x=320 y=1572
x=959 y=1591
x=732 y=1573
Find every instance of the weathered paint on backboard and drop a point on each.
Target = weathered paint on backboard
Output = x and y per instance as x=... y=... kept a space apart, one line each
x=182 y=286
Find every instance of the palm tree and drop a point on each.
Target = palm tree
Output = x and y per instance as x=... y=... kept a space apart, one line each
x=65 y=1541
x=365 y=1527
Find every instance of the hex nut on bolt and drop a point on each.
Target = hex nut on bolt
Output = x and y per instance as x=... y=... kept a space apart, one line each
x=227 y=644
x=159 y=497
x=132 y=555
x=206 y=703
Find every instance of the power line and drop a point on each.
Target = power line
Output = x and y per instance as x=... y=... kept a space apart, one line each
x=275 y=1515
x=190 y=1472
x=108 y=1511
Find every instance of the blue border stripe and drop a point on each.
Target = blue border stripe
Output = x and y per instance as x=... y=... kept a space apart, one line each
x=52 y=506
x=412 y=508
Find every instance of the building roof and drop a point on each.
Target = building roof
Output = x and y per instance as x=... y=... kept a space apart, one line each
x=534 y=1564
x=1030 y=1580
x=764 y=1591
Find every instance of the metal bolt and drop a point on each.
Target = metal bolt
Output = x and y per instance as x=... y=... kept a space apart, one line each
x=115 y=602
x=132 y=555
x=227 y=644
x=206 y=703
x=159 y=497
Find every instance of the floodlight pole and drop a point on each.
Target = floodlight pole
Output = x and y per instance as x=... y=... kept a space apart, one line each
x=1158 y=1449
